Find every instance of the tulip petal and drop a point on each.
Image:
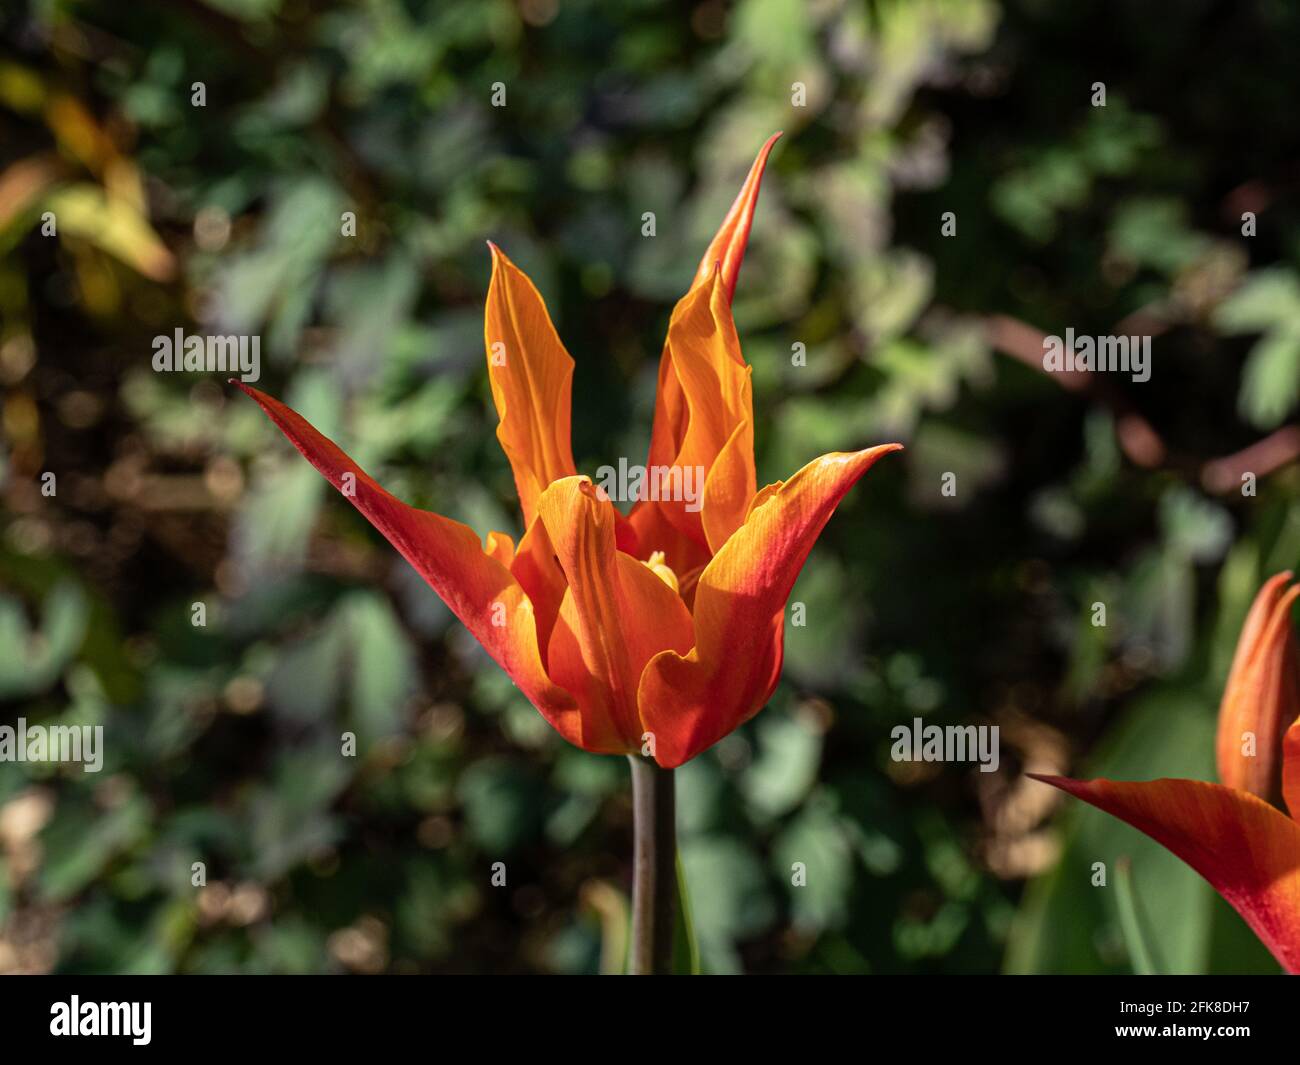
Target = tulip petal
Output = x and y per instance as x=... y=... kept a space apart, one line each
x=714 y=456
x=541 y=578
x=474 y=584
x=730 y=486
x=727 y=249
x=1262 y=694
x=1291 y=769
x=616 y=615
x=531 y=375
x=670 y=417
x=691 y=702
x=501 y=547
x=1248 y=850
x=675 y=412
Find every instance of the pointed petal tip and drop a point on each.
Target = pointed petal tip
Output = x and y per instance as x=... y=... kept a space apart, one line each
x=760 y=161
x=1273 y=589
x=728 y=244
x=873 y=453
x=1079 y=789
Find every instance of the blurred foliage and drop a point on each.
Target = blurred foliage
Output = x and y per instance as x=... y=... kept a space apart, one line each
x=222 y=740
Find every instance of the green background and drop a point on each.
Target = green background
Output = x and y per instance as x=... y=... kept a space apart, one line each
x=222 y=741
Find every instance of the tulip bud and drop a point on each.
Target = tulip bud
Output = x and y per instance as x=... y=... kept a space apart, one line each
x=1262 y=696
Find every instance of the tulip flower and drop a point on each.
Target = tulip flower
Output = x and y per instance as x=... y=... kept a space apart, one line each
x=652 y=634
x=1232 y=833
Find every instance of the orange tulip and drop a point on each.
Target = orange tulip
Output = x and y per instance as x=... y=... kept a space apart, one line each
x=659 y=630
x=1262 y=696
x=1230 y=833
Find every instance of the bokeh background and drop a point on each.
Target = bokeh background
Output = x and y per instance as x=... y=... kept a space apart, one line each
x=222 y=741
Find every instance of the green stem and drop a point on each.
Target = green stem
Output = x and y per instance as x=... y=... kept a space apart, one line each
x=654 y=868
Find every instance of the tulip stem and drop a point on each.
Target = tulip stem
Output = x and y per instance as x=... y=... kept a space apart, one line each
x=654 y=868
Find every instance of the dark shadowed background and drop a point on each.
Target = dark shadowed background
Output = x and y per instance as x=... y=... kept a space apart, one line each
x=222 y=741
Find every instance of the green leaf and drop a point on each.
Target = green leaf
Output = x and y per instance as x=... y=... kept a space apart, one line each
x=1266 y=299
x=818 y=840
x=686 y=948
x=502 y=805
x=790 y=749
x=1270 y=381
x=383 y=667
x=36 y=659
x=730 y=897
x=1132 y=922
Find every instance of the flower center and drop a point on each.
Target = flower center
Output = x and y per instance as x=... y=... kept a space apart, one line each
x=661 y=569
